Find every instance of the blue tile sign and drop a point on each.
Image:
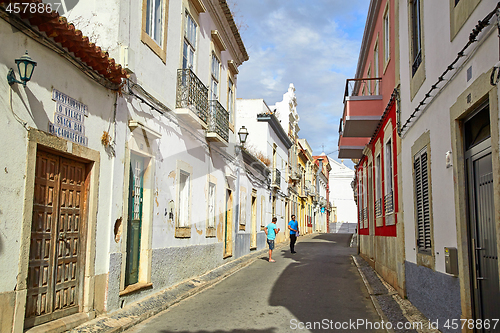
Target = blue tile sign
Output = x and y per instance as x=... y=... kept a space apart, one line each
x=69 y=118
x=69 y=102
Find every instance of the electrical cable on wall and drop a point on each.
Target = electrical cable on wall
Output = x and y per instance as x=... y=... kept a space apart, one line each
x=472 y=38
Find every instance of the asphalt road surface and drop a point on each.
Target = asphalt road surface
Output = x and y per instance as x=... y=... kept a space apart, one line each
x=318 y=289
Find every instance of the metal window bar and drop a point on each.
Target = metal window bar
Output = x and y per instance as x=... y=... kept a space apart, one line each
x=355 y=87
x=416 y=63
x=276 y=177
x=218 y=120
x=378 y=207
x=388 y=203
x=192 y=93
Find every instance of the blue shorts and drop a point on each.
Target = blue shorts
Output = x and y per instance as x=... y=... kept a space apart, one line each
x=271 y=244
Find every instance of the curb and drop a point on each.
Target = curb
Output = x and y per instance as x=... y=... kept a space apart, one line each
x=407 y=311
x=137 y=312
x=372 y=295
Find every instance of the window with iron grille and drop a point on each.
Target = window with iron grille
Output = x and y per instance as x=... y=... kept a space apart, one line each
x=388 y=200
x=422 y=204
x=378 y=186
x=416 y=35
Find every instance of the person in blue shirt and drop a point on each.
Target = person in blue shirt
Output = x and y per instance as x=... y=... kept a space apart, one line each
x=294 y=232
x=271 y=231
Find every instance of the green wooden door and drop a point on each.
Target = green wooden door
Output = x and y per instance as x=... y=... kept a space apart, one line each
x=136 y=183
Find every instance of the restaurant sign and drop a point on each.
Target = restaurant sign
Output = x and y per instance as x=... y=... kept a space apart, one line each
x=69 y=118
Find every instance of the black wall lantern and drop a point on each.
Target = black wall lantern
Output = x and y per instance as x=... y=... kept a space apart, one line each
x=243 y=133
x=25 y=66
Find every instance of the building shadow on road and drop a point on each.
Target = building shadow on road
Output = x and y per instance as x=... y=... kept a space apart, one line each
x=266 y=330
x=322 y=285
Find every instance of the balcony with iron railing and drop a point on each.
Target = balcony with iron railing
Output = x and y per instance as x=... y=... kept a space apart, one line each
x=363 y=107
x=191 y=99
x=218 y=123
x=276 y=180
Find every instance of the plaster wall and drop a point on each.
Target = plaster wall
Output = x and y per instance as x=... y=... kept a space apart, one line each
x=34 y=105
x=119 y=25
x=437 y=122
x=341 y=193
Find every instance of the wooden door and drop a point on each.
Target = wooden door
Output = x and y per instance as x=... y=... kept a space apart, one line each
x=253 y=240
x=56 y=258
x=228 y=226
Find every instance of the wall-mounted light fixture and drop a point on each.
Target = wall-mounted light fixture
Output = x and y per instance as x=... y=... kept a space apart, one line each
x=25 y=66
x=243 y=133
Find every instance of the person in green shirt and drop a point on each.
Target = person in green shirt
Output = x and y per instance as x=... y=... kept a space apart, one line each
x=271 y=231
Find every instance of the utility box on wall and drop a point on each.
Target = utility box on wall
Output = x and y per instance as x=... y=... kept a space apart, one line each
x=451 y=260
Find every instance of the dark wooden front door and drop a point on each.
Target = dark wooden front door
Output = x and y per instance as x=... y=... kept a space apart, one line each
x=57 y=234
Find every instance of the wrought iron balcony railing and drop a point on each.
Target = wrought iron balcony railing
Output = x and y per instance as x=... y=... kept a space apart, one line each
x=218 y=120
x=378 y=207
x=362 y=87
x=276 y=177
x=192 y=93
x=389 y=204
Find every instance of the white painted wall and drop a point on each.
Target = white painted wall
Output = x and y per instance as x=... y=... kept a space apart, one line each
x=341 y=193
x=439 y=53
x=34 y=105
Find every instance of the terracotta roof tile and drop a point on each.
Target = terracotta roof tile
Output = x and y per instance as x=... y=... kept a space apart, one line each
x=65 y=34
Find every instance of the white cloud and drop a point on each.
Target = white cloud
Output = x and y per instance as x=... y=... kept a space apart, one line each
x=313 y=45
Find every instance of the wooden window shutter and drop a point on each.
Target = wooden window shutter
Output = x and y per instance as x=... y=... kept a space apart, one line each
x=424 y=243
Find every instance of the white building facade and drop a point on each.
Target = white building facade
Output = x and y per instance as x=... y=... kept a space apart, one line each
x=157 y=159
x=341 y=192
x=449 y=157
x=268 y=140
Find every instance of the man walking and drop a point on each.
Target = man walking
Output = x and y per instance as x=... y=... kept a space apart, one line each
x=294 y=232
x=271 y=232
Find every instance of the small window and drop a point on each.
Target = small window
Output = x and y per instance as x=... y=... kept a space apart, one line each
x=184 y=194
x=189 y=48
x=211 y=205
x=387 y=41
x=215 y=69
x=416 y=36
x=154 y=20
x=388 y=199
x=378 y=186
x=375 y=69
x=477 y=129
x=230 y=101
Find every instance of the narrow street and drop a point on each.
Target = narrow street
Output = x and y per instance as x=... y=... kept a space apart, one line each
x=317 y=284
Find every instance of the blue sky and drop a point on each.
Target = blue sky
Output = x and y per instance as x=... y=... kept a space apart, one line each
x=313 y=44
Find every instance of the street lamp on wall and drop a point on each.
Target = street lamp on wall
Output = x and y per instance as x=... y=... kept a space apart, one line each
x=243 y=133
x=25 y=66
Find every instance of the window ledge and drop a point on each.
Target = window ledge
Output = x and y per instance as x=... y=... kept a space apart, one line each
x=210 y=232
x=183 y=232
x=135 y=287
